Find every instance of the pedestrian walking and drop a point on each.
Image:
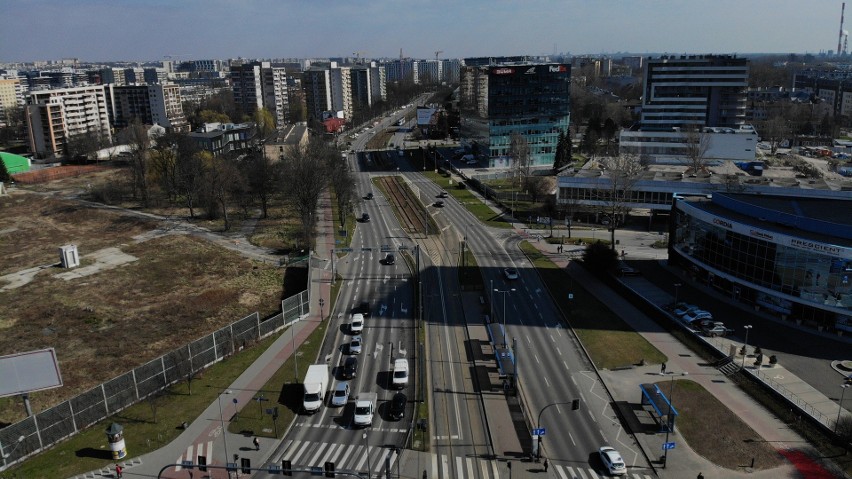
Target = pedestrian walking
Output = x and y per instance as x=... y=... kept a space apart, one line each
x=545 y=466
x=700 y=476
x=256 y=444
x=118 y=470
x=663 y=368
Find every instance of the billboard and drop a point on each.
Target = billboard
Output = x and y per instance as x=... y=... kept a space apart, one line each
x=425 y=116
x=29 y=371
x=536 y=69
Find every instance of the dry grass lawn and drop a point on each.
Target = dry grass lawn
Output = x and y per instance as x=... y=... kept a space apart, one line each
x=101 y=325
x=716 y=433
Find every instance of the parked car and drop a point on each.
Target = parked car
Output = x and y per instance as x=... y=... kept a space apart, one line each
x=696 y=315
x=350 y=367
x=340 y=396
x=355 y=345
x=626 y=270
x=718 y=330
x=612 y=461
x=511 y=273
x=397 y=406
x=682 y=308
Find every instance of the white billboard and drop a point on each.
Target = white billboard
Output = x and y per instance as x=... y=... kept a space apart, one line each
x=29 y=371
x=424 y=116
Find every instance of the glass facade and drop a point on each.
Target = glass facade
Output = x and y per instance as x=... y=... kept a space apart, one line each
x=530 y=99
x=809 y=283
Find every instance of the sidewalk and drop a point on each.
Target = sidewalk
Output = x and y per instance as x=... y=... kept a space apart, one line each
x=204 y=436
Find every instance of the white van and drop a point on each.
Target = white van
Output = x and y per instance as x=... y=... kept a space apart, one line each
x=400 y=373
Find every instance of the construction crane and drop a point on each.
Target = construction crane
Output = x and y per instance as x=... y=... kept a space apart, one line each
x=173 y=55
x=438 y=53
x=358 y=55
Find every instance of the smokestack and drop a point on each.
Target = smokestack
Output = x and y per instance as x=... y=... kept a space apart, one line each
x=840 y=35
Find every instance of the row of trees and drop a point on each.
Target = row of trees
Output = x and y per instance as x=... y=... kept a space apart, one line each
x=172 y=169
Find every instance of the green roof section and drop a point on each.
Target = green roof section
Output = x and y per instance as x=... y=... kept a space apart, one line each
x=15 y=163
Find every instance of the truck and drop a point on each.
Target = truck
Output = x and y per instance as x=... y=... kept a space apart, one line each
x=316 y=384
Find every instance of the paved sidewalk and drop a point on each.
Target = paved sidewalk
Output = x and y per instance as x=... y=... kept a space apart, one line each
x=204 y=436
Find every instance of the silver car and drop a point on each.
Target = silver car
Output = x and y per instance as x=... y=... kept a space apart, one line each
x=340 y=396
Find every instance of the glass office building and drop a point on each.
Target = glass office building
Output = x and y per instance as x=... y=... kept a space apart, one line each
x=500 y=98
x=785 y=255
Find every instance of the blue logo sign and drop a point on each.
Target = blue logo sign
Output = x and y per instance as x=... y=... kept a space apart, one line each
x=539 y=431
x=668 y=445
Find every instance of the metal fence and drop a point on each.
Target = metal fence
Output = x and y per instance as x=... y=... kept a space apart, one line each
x=48 y=427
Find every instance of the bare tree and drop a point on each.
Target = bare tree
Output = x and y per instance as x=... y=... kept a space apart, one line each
x=343 y=183
x=139 y=144
x=164 y=163
x=537 y=187
x=774 y=130
x=84 y=146
x=623 y=172
x=304 y=178
x=221 y=177
x=262 y=177
x=519 y=150
x=697 y=142
x=190 y=174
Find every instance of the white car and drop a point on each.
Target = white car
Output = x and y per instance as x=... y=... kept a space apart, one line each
x=510 y=273
x=340 y=396
x=364 y=409
x=357 y=323
x=696 y=315
x=612 y=461
x=355 y=345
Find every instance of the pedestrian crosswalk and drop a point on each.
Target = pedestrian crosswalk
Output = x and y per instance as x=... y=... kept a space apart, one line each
x=193 y=451
x=377 y=459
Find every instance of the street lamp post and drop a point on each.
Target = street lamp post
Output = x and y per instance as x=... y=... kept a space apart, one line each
x=677 y=289
x=840 y=405
x=224 y=431
x=504 y=311
x=747 y=327
x=367 y=447
x=669 y=416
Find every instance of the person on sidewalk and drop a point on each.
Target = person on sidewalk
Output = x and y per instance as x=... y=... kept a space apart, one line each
x=700 y=476
x=545 y=466
x=663 y=368
x=118 y=471
x=256 y=443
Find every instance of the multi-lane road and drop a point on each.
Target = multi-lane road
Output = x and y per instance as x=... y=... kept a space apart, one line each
x=551 y=366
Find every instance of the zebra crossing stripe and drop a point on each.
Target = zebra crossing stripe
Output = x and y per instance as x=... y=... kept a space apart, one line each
x=494 y=470
x=336 y=454
x=445 y=466
x=320 y=449
x=381 y=462
x=459 y=466
x=301 y=447
x=363 y=459
x=484 y=466
x=329 y=452
x=346 y=456
x=434 y=471
x=469 y=468
x=561 y=472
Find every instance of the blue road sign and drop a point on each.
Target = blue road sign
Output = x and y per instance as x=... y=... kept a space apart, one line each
x=539 y=432
x=344 y=250
x=668 y=445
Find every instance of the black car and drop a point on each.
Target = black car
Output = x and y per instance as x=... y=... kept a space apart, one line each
x=390 y=259
x=350 y=367
x=369 y=195
x=364 y=308
x=365 y=218
x=397 y=406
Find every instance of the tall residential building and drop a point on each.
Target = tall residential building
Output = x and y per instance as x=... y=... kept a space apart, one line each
x=401 y=70
x=451 y=70
x=155 y=75
x=156 y=104
x=11 y=96
x=429 y=72
x=341 y=90
x=260 y=85
x=316 y=84
x=689 y=99
x=55 y=116
x=367 y=84
x=112 y=75
x=499 y=99
x=134 y=76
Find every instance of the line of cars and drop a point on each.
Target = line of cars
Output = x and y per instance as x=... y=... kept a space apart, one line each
x=366 y=403
x=699 y=319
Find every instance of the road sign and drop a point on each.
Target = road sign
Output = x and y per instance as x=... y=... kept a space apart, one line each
x=386 y=248
x=539 y=431
x=344 y=250
x=668 y=445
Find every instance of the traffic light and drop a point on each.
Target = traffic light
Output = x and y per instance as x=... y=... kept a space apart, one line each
x=329 y=469
x=575 y=404
x=202 y=463
x=287 y=467
x=246 y=465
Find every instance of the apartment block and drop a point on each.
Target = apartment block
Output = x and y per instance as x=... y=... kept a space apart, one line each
x=56 y=116
x=260 y=85
x=156 y=104
x=11 y=96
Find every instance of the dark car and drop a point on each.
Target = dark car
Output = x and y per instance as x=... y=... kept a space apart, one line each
x=390 y=259
x=397 y=406
x=365 y=218
x=369 y=195
x=350 y=367
x=364 y=308
x=439 y=204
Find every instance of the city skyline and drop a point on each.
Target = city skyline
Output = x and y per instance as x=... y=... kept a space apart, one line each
x=149 y=30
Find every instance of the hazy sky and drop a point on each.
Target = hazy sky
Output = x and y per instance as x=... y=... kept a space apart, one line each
x=94 y=30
